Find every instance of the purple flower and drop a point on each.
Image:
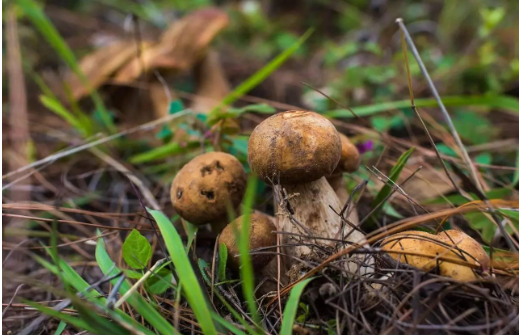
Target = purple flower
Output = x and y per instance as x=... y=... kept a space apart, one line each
x=365 y=146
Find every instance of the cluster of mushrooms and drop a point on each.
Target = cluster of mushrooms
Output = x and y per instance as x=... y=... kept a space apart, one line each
x=303 y=156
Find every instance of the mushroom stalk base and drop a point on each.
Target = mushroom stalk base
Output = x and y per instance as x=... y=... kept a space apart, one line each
x=311 y=213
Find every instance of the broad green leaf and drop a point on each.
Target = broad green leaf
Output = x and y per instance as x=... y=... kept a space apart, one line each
x=137 y=251
x=143 y=307
x=290 y=311
x=159 y=282
x=192 y=291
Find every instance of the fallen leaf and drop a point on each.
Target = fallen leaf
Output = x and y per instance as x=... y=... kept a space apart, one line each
x=212 y=85
x=180 y=47
x=100 y=65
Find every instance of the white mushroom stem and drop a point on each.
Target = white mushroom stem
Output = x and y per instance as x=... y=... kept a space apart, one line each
x=339 y=186
x=312 y=213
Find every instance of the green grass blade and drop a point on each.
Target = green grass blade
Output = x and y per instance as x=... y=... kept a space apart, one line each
x=290 y=311
x=223 y=258
x=204 y=266
x=502 y=102
x=75 y=321
x=227 y=324
x=163 y=151
x=393 y=175
x=34 y=12
x=56 y=107
x=260 y=75
x=192 y=290
x=247 y=277
x=515 y=179
x=149 y=313
x=60 y=328
x=70 y=276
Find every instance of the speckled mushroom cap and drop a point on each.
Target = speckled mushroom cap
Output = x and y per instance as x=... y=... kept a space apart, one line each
x=297 y=145
x=262 y=234
x=350 y=158
x=202 y=189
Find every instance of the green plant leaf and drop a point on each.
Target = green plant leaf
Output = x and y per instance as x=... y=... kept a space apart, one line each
x=164 y=151
x=223 y=258
x=290 y=311
x=159 y=282
x=502 y=102
x=192 y=291
x=393 y=175
x=136 y=250
x=143 y=307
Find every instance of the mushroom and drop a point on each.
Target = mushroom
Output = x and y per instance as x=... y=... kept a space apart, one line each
x=300 y=148
x=262 y=235
x=349 y=162
x=205 y=187
x=427 y=248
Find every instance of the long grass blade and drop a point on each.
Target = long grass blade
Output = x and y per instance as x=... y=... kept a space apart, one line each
x=192 y=290
x=35 y=13
x=247 y=277
x=290 y=311
x=393 y=176
x=499 y=101
x=261 y=74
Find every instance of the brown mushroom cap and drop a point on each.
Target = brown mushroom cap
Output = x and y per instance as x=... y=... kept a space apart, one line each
x=350 y=158
x=262 y=234
x=426 y=244
x=299 y=146
x=202 y=189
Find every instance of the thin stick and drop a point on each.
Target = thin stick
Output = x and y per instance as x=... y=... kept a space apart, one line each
x=86 y=146
x=453 y=130
x=139 y=282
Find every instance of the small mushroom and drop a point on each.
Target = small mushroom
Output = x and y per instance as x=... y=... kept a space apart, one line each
x=204 y=188
x=262 y=234
x=450 y=244
x=299 y=149
x=349 y=162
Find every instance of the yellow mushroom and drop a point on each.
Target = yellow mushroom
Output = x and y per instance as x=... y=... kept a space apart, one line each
x=425 y=251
